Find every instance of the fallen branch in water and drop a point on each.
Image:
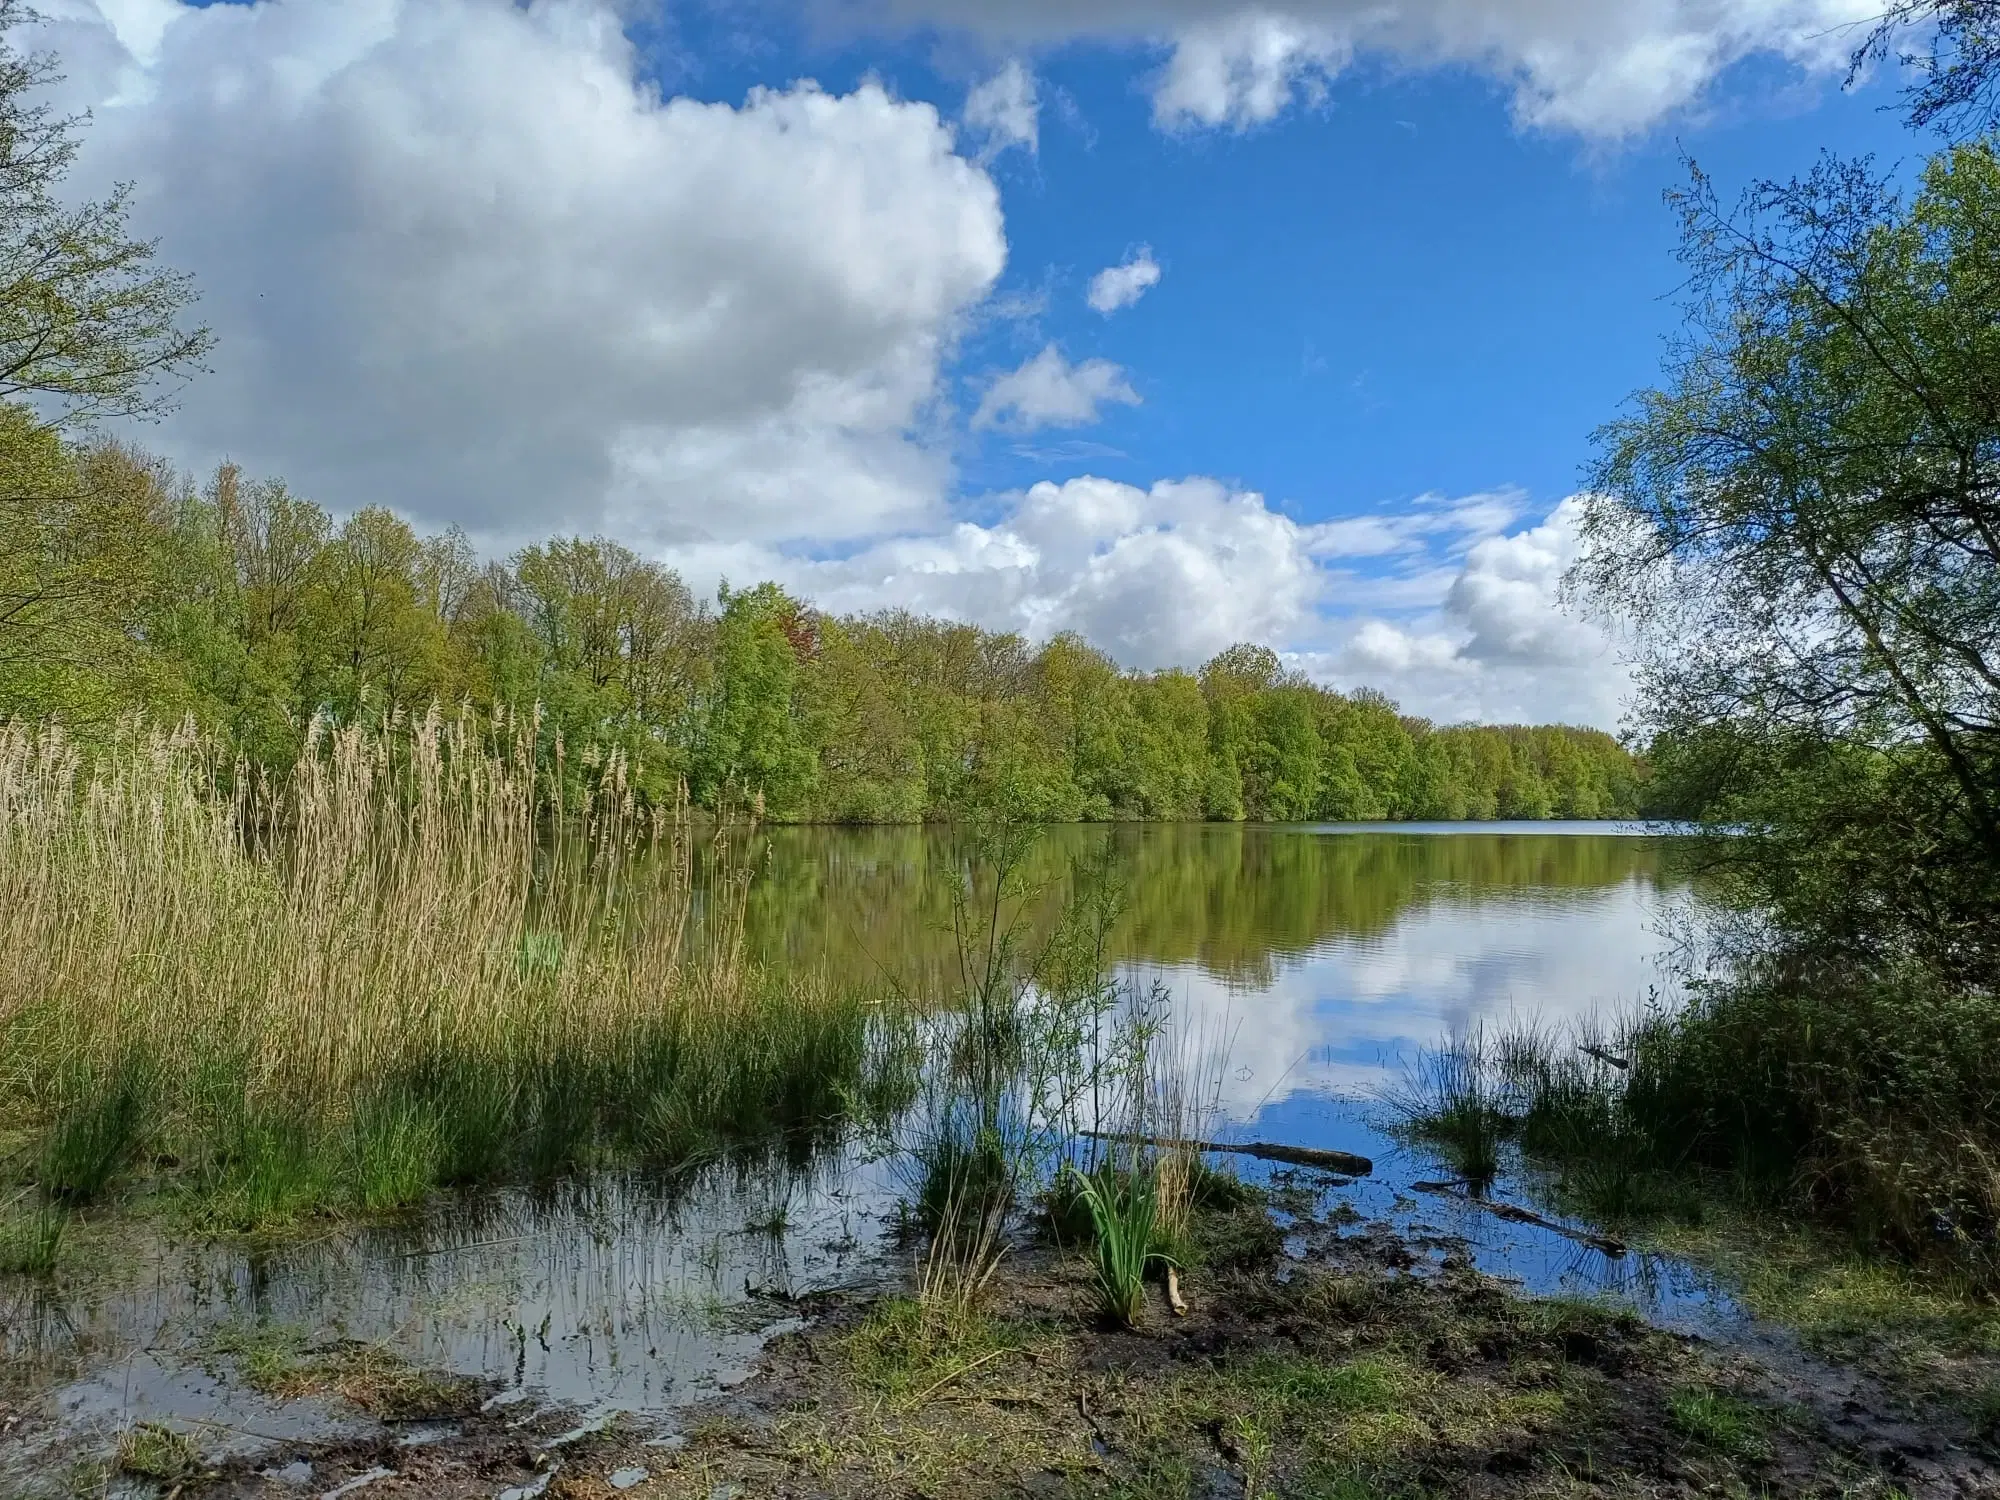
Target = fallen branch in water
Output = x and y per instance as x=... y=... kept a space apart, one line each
x=1515 y=1214
x=1344 y=1162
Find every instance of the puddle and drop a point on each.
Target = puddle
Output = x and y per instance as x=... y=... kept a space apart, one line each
x=611 y=1297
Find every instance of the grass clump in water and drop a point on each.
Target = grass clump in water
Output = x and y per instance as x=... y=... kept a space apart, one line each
x=155 y=1452
x=1455 y=1102
x=397 y=1150
x=31 y=1239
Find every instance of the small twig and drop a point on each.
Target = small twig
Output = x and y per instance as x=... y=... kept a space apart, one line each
x=1180 y=1308
x=513 y=1239
x=932 y=1389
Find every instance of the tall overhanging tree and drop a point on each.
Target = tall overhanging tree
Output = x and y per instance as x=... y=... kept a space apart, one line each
x=91 y=332
x=1952 y=49
x=1802 y=528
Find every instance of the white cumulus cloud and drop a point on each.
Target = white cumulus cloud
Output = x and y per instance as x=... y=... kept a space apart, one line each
x=1005 y=110
x=1604 y=69
x=1243 y=70
x=1158 y=577
x=1117 y=287
x=462 y=259
x=1049 y=391
x=1449 y=606
x=1491 y=641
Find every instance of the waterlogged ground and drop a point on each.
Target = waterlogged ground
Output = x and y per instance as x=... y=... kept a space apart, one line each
x=604 y=1337
x=619 y=1294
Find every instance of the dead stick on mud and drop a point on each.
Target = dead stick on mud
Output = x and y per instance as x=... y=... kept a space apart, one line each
x=932 y=1389
x=1515 y=1214
x=1344 y=1162
x=1180 y=1308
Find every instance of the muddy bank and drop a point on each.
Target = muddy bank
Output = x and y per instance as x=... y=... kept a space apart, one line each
x=1330 y=1358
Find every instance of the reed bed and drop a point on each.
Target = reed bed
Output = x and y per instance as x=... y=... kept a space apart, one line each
x=422 y=956
x=1868 y=1105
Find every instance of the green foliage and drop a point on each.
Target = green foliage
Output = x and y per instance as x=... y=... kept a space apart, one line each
x=123 y=585
x=1723 y=1423
x=1801 y=526
x=1124 y=1210
x=31 y=1239
x=750 y=744
x=159 y=1453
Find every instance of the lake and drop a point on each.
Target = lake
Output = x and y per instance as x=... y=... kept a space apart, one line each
x=1320 y=960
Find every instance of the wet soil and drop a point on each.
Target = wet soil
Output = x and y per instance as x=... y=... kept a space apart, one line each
x=1333 y=1359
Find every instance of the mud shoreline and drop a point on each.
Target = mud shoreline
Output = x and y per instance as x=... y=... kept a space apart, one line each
x=1329 y=1358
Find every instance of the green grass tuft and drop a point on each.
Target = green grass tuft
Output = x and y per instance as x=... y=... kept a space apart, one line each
x=99 y=1120
x=1720 y=1422
x=31 y=1241
x=1455 y=1102
x=151 y=1451
x=396 y=1154
x=1124 y=1213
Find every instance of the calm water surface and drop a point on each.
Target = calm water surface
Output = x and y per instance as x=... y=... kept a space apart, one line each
x=1318 y=959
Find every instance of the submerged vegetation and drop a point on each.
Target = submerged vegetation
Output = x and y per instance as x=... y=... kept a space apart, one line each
x=399 y=966
x=1867 y=1110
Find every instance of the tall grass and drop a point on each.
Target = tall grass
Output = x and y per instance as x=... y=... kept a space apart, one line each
x=1870 y=1102
x=1124 y=1210
x=1456 y=1101
x=410 y=961
x=1870 y=1099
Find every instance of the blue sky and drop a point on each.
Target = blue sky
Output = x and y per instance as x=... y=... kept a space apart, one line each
x=571 y=266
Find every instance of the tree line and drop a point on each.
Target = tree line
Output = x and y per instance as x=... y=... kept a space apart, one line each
x=1799 y=529
x=252 y=609
x=127 y=587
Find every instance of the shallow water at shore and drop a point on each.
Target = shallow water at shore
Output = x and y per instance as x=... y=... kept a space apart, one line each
x=1318 y=960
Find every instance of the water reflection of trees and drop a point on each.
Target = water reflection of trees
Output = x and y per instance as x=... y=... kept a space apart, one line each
x=872 y=904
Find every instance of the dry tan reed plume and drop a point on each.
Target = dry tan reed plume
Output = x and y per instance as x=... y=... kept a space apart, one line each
x=409 y=889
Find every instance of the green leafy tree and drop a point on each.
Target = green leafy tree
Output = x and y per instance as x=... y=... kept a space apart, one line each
x=90 y=323
x=1804 y=526
x=90 y=329
x=368 y=638
x=77 y=534
x=751 y=743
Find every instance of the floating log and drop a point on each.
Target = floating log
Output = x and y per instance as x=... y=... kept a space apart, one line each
x=1515 y=1214
x=1344 y=1162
